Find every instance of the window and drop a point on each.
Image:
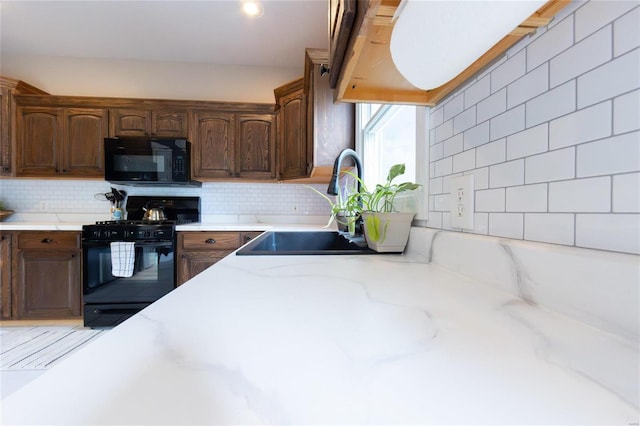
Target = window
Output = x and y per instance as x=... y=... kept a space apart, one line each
x=392 y=134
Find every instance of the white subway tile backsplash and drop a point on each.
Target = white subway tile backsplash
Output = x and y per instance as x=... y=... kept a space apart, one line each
x=464 y=120
x=490 y=200
x=626 y=193
x=589 y=195
x=616 y=232
x=443 y=167
x=477 y=135
x=453 y=145
x=626 y=112
x=557 y=228
x=480 y=223
x=591 y=52
x=492 y=106
x=552 y=104
x=435 y=185
x=508 y=123
x=436 y=117
x=508 y=71
x=554 y=41
x=491 y=153
x=453 y=107
x=556 y=149
x=477 y=91
x=464 y=161
x=550 y=166
x=446 y=182
x=435 y=219
x=527 y=198
x=581 y=126
x=509 y=225
x=444 y=131
x=436 y=152
x=614 y=78
x=618 y=154
x=506 y=174
x=626 y=32
x=480 y=178
x=528 y=86
x=60 y=196
x=596 y=14
x=528 y=142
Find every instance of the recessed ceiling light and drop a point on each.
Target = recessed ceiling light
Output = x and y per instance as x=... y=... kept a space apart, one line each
x=253 y=9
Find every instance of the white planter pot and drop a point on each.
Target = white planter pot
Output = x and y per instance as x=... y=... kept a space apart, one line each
x=389 y=232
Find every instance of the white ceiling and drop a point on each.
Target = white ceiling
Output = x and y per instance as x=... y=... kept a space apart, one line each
x=210 y=31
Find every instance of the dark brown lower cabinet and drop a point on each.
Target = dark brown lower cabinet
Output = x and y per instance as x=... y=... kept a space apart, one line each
x=48 y=275
x=5 y=275
x=199 y=250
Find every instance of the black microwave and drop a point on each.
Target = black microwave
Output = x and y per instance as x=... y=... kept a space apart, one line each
x=148 y=161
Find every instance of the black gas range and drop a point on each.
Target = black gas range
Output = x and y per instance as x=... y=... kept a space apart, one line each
x=129 y=264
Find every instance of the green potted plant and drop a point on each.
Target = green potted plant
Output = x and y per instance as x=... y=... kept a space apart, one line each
x=346 y=209
x=386 y=228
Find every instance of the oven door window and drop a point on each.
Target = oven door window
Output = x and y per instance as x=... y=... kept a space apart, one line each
x=153 y=274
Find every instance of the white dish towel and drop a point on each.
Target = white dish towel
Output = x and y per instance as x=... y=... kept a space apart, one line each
x=122 y=258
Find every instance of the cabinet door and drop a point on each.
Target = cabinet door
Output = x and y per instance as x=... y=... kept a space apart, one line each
x=256 y=147
x=191 y=264
x=212 y=145
x=330 y=126
x=168 y=123
x=5 y=275
x=130 y=122
x=39 y=133
x=341 y=16
x=83 y=148
x=292 y=137
x=48 y=284
x=5 y=131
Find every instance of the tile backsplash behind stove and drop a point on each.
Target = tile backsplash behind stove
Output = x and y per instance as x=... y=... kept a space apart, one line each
x=77 y=196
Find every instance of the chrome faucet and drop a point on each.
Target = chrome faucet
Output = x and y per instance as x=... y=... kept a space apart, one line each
x=334 y=184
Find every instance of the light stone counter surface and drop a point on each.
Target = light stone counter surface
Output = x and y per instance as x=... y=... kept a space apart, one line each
x=386 y=339
x=74 y=222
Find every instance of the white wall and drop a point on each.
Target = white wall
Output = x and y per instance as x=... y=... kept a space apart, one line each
x=551 y=133
x=144 y=79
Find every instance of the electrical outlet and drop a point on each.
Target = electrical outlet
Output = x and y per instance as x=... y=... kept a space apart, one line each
x=461 y=207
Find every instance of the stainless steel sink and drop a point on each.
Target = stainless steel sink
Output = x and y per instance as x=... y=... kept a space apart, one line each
x=304 y=243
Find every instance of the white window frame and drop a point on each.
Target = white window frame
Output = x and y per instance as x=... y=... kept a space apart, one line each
x=378 y=119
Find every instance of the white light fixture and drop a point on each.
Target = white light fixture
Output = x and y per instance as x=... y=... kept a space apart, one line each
x=251 y=8
x=434 y=41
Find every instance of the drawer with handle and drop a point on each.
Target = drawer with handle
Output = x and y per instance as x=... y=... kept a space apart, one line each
x=217 y=240
x=49 y=240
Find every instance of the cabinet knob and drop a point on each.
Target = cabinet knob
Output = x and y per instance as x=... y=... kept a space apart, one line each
x=46 y=241
x=247 y=237
x=210 y=241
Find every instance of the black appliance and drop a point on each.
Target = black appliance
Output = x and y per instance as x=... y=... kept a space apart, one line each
x=109 y=299
x=148 y=161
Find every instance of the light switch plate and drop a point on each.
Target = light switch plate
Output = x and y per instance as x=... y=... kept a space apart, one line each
x=462 y=202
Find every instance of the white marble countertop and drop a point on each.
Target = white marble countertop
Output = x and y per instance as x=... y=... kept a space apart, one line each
x=74 y=222
x=386 y=339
